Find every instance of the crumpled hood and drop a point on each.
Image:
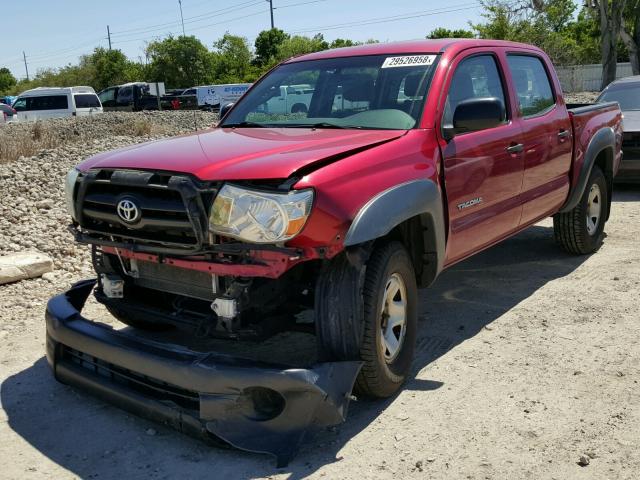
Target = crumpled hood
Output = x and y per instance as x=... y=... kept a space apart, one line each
x=243 y=153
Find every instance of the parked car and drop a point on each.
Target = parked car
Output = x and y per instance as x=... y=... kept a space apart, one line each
x=9 y=112
x=441 y=149
x=627 y=93
x=56 y=102
x=134 y=97
x=213 y=97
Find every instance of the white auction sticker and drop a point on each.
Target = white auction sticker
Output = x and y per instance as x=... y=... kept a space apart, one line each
x=408 y=61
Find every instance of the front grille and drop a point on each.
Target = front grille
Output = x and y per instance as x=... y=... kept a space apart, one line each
x=147 y=386
x=171 y=207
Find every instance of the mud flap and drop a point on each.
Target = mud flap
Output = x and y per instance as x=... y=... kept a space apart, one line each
x=254 y=406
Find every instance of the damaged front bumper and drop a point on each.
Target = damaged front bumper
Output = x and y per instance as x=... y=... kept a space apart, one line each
x=253 y=406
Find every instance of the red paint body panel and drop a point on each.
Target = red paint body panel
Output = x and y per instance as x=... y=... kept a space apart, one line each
x=268 y=264
x=346 y=168
x=240 y=154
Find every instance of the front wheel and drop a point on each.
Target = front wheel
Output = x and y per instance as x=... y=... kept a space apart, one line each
x=370 y=317
x=580 y=231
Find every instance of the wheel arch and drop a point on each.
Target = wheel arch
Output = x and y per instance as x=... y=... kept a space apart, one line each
x=600 y=152
x=411 y=212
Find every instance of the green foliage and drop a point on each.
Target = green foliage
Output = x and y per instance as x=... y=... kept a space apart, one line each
x=7 y=80
x=550 y=25
x=267 y=44
x=179 y=61
x=342 y=42
x=232 y=60
x=111 y=67
x=299 y=45
x=442 y=32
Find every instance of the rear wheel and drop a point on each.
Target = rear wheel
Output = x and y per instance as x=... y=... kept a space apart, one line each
x=581 y=230
x=370 y=317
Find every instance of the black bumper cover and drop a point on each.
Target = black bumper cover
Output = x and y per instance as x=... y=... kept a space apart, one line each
x=223 y=401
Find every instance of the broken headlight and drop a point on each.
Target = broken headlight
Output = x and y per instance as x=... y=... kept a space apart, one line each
x=260 y=217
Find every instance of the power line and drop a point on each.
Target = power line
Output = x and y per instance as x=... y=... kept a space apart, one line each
x=393 y=18
x=188 y=20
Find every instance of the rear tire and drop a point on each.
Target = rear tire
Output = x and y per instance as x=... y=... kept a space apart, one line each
x=581 y=230
x=370 y=316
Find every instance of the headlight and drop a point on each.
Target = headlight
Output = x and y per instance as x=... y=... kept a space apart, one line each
x=69 y=187
x=260 y=217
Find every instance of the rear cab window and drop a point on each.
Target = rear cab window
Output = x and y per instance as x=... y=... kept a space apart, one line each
x=532 y=84
x=86 y=100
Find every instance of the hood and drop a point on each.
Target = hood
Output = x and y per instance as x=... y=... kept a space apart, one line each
x=631 y=121
x=243 y=153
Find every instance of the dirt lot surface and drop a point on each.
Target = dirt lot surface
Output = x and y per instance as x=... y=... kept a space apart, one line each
x=528 y=359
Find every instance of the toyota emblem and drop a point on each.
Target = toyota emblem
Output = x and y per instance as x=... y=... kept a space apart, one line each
x=128 y=211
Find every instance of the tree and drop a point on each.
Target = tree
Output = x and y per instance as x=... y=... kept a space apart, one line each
x=341 y=42
x=630 y=34
x=267 y=44
x=442 y=32
x=232 y=60
x=548 y=24
x=299 y=45
x=111 y=67
x=179 y=62
x=610 y=18
x=7 y=80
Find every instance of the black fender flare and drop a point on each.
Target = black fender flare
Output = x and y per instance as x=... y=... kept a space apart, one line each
x=604 y=139
x=416 y=198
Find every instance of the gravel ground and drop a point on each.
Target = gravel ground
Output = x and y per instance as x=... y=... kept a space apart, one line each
x=528 y=364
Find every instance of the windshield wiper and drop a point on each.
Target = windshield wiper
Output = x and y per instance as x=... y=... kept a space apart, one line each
x=243 y=125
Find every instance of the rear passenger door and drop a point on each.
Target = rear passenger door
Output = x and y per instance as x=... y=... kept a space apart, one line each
x=482 y=169
x=547 y=137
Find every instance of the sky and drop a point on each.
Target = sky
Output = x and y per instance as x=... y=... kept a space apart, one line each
x=56 y=33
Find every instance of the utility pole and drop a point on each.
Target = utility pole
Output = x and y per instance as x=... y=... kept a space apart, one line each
x=25 y=64
x=181 y=17
x=271 y=8
x=109 y=36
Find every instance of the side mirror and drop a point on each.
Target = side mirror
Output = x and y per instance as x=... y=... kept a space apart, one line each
x=475 y=114
x=225 y=108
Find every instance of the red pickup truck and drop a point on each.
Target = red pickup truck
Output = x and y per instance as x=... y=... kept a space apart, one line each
x=407 y=158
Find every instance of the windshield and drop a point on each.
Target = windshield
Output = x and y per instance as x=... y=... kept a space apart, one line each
x=372 y=92
x=628 y=96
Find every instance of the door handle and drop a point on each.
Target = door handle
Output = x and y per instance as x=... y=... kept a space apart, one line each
x=517 y=148
x=563 y=133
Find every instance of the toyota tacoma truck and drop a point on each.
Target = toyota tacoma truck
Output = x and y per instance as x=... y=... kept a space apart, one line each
x=410 y=157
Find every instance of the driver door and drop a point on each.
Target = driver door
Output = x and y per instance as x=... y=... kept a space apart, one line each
x=483 y=169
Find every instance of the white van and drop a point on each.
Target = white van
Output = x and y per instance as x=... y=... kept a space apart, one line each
x=44 y=102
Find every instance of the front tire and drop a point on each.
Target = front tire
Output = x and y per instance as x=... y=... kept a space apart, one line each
x=370 y=315
x=581 y=230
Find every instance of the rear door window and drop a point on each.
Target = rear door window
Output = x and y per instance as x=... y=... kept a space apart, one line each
x=47 y=102
x=87 y=100
x=531 y=81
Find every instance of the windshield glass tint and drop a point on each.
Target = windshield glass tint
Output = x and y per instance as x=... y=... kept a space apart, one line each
x=628 y=96
x=376 y=92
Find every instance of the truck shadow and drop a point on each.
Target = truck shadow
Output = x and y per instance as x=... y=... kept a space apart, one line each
x=93 y=440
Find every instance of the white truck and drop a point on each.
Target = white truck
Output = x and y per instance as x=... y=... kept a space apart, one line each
x=212 y=97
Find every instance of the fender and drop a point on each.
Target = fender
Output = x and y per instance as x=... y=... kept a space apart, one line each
x=604 y=139
x=391 y=207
